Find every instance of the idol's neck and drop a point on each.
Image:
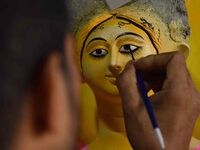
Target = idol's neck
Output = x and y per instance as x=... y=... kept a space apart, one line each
x=110 y=112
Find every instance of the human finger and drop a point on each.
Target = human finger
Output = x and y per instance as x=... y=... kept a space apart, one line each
x=136 y=119
x=127 y=84
x=172 y=64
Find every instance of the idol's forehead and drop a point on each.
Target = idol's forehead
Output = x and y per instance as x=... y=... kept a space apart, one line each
x=111 y=29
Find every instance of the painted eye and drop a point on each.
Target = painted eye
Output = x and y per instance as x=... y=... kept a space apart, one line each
x=128 y=48
x=99 y=53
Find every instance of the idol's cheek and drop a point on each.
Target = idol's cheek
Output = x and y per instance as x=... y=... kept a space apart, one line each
x=94 y=70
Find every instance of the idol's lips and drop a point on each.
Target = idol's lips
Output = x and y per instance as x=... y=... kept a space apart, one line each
x=111 y=78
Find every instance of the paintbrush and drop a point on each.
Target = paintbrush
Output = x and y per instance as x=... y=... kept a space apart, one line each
x=113 y=4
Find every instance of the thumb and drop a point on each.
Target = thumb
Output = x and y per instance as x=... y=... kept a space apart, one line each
x=136 y=119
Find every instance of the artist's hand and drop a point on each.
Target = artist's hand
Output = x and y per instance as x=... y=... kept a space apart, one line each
x=176 y=102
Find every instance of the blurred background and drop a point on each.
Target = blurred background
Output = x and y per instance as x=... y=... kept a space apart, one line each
x=193 y=7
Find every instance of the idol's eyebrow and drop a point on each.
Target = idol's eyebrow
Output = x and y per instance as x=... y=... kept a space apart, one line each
x=95 y=39
x=129 y=33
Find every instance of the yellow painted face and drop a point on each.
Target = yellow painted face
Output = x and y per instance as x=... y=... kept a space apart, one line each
x=107 y=50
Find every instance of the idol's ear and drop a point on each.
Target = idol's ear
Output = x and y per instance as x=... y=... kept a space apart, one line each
x=183 y=47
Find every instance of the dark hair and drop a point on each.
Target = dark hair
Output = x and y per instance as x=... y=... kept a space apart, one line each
x=29 y=31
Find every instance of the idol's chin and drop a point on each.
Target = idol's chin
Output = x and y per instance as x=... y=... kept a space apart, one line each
x=108 y=93
x=110 y=90
x=113 y=93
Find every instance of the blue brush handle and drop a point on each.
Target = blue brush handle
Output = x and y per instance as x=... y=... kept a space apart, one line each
x=146 y=100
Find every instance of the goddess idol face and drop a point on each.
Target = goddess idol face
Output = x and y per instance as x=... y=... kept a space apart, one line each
x=107 y=51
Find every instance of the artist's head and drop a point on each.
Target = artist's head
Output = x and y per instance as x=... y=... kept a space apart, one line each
x=38 y=78
x=105 y=38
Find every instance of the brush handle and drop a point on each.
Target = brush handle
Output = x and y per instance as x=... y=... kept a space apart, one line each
x=149 y=109
x=146 y=100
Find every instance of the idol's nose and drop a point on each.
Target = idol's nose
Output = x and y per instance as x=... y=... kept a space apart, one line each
x=115 y=66
x=115 y=69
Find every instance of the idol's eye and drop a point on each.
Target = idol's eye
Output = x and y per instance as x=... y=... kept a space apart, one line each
x=99 y=53
x=128 y=48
